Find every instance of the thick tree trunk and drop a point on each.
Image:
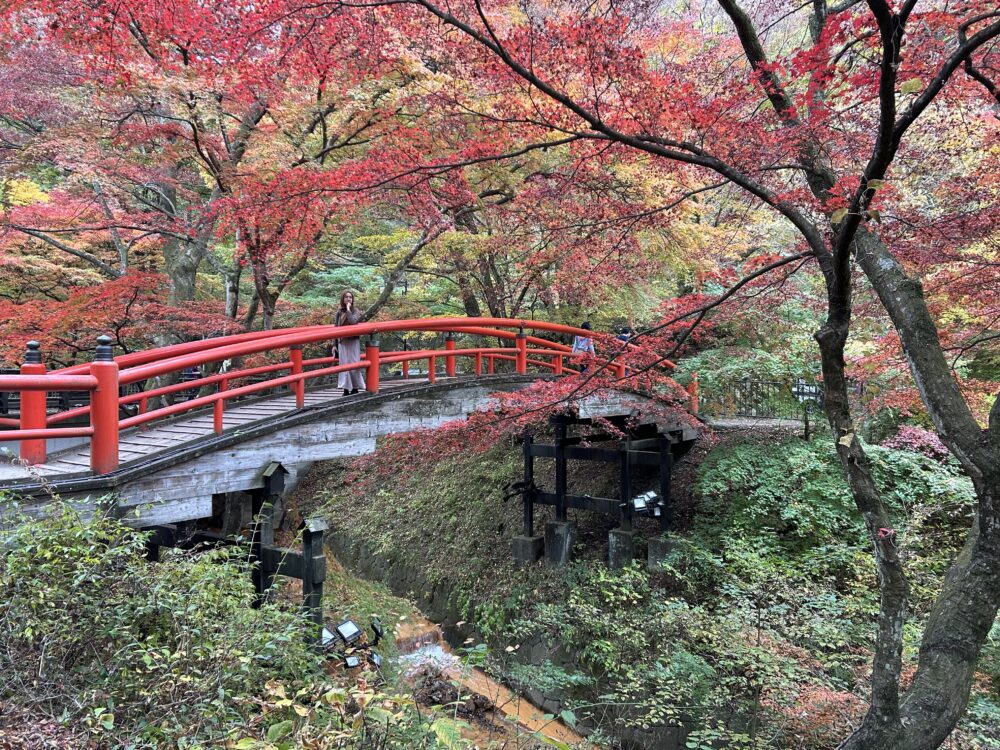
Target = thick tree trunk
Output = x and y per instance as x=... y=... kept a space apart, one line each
x=232 y=282
x=181 y=268
x=882 y=721
x=967 y=605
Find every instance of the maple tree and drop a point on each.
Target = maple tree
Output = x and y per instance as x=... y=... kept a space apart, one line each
x=131 y=309
x=165 y=142
x=543 y=150
x=822 y=129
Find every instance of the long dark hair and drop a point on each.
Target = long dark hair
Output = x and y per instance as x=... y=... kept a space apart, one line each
x=343 y=296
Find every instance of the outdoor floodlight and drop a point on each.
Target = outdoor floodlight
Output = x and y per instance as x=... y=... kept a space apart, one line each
x=375 y=660
x=352 y=662
x=326 y=637
x=349 y=632
x=643 y=504
x=377 y=630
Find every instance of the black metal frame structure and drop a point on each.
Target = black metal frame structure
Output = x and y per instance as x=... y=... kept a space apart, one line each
x=643 y=444
x=267 y=561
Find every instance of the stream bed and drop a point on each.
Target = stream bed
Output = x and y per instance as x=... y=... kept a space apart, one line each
x=424 y=651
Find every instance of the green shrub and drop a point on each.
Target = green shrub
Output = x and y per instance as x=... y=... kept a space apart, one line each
x=152 y=652
x=171 y=655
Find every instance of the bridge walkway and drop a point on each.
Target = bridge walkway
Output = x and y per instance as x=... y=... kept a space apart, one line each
x=139 y=444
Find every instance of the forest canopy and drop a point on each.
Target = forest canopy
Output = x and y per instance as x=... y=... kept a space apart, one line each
x=778 y=189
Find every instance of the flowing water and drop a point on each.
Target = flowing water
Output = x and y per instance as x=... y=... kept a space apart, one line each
x=421 y=644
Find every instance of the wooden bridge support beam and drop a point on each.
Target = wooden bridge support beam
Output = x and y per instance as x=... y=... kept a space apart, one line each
x=666 y=470
x=268 y=561
x=528 y=547
x=263 y=504
x=560 y=534
x=313 y=573
x=621 y=541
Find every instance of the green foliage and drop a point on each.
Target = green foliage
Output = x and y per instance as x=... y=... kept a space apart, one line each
x=758 y=628
x=436 y=517
x=719 y=367
x=171 y=655
x=154 y=652
x=631 y=658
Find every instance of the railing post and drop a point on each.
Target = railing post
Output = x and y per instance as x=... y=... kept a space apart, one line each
x=521 y=340
x=406 y=363
x=478 y=359
x=449 y=360
x=295 y=352
x=490 y=366
x=104 y=409
x=619 y=370
x=431 y=369
x=557 y=364
x=33 y=406
x=219 y=407
x=692 y=390
x=372 y=355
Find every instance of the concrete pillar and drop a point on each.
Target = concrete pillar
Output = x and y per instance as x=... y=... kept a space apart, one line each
x=659 y=548
x=559 y=539
x=621 y=548
x=527 y=549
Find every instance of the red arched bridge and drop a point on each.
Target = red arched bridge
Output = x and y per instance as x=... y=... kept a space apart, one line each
x=222 y=454
x=133 y=427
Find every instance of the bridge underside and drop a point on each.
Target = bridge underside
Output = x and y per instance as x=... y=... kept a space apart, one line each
x=170 y=471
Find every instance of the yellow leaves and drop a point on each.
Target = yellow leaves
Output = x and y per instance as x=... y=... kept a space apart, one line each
x=22 y=192
x=394 y=245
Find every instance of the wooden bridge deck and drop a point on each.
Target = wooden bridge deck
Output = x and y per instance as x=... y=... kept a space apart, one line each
x=143 y=443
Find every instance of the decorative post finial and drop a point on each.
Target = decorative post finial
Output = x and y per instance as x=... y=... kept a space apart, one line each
x=33 y=353
x=104 y=351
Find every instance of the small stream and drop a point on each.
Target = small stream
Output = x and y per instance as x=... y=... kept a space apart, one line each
x=421 y=644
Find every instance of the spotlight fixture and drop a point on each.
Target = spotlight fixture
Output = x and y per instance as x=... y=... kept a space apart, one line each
x=352 y=661
x=648 y=504
x=643 y=504
x=349 y=632
x=326 y=637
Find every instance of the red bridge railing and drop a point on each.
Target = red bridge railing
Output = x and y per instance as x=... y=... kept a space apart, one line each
x=107 y=376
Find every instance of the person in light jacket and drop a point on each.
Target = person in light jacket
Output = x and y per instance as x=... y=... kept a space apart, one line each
x=349 y=349
x=583 y=345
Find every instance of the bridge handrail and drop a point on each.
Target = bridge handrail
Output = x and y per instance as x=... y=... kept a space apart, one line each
x=133 y=359
x=105 y=375
x=48 y=383
x=228 y=350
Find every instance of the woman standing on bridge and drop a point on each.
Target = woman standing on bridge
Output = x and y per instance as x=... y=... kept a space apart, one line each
x=583 y=346
x=349 y=348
